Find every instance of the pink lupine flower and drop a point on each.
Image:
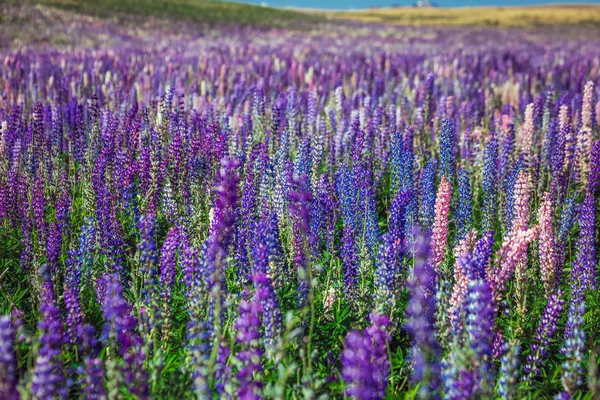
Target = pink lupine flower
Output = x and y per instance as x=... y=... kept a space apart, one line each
x=512 y=256
x=584 y=136
x=440 y=225
x=461 y=279
x=526 y=137
x=512 y=252
x=547 y=248
x=522 y=194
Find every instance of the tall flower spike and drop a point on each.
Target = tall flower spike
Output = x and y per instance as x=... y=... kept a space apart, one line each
x=526 y=137
x=439 y=238
x=303 y=241
x=574 y=346
x=167 y=276
x=584 y=136
x=48 y=379
x=421 y=317
x=543 y=335
x=594 y=178
x=464 y=212
x=509 y=371
x=249 y=357
x=8 y=361
x=547 y=248
x=447 y=150
x=365 y=365
x=584 y=266
x=387 y=274
x=120 y=331
x=490 y=161
x=427 y=205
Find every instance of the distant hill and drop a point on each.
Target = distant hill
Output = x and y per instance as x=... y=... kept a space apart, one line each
x=581 y=15
x=189 y=10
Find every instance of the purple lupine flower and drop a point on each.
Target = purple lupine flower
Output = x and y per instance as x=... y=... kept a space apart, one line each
x=480 y=319
x=584 y=266
x=490 y=162
x=72 y=287
x=120 y=332
x=505 y=158
x=447 y=150
x=328 y=207
x=38 y=205
x=223 y=223
x=464 y=213
x=387 y=274
x=509 y=187
x=365 y=365
x=303 y=241
x=543 y=334
x=367 y=217
x=48 y=380
x=53 y=247
x=249 y=356
x=271 y=317
x=8 y=360
x=567 y=219
x=421 y=317
x=246 y=217
x=347 y=193
x=574 y=345
x=397 y=220
x=509 y=371
x=427 y=205
x=93 y=372
x=167 y=274
x=149 y=265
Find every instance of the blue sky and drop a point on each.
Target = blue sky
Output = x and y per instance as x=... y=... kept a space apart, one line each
x=349 y=4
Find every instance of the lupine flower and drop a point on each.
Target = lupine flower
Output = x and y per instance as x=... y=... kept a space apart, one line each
x=365 y=365
x=420 y=312
x=574 y=346
x=489 y=184
x=347 y=193
x=527 y=136
x=304 y=242
x=120 y=332
x=447 y=150
x=427 y=206
x=584 y=266
x=93 y=387
x=584 y=136
x=439 y=238
x=149 y=264
x=464 y=212
x=249 y=357
x=509 y=371
x=8 y=361
x=48 y=379
x=543 y=334
x=387 y=274
x=594 y=178
x=167 y=274
x=547 y=248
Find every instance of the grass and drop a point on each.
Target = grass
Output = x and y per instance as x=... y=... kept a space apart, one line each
x=185 y=10
x=587 y=15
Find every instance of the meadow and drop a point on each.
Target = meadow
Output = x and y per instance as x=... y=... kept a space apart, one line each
x=209 y=200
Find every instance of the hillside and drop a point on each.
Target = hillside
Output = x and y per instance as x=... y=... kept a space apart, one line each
x=588 y=15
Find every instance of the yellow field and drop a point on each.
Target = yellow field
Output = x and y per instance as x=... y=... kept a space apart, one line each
x=588 y=15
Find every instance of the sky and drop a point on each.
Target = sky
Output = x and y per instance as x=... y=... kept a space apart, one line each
x=358 y=4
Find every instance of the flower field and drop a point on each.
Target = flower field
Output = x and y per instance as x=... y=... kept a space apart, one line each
x=335 y=210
